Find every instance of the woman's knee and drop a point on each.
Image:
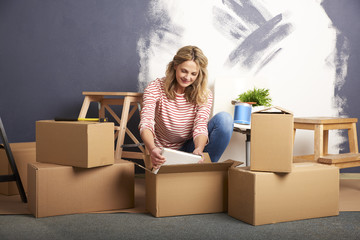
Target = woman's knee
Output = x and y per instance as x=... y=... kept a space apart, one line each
x=224 y=121
x=224 y=118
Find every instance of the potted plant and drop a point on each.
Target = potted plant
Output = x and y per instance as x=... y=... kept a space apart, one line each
x=250 y=101
x=261 y=97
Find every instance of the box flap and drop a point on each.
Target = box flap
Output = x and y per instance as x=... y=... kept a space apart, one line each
x=272 y=108
x=38 y=165
x=22 y=146
x=197 y=167
x=148 y=164
x=236 y=164
x=73 y=122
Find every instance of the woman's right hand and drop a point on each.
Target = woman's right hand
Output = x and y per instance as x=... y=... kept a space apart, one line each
x=156 y=158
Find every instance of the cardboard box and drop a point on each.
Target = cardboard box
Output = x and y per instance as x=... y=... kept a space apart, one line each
x=59 y=190
x=78 y=143
x=23 y=153
x=271 y=147
x=187 y=189
x=311 y=190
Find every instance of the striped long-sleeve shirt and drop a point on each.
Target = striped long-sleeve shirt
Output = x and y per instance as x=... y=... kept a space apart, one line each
x=172 y=122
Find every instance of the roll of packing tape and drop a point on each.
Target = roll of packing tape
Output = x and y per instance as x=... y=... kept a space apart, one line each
x=242 y=113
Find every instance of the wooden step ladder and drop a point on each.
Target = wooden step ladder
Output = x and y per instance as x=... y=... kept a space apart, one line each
x=15 y=176
x=344 y=160
x=130 y=103
x=321 y=127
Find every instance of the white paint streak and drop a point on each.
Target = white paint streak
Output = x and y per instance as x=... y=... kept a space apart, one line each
x=299 y=77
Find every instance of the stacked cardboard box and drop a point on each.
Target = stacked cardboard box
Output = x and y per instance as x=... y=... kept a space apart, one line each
x=271 y=147
x=311 y=190
x=58 y=189
x=76 y=172
x=274 y=189
x=78 y=144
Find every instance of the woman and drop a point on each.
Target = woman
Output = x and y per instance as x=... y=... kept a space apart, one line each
x=176 y=110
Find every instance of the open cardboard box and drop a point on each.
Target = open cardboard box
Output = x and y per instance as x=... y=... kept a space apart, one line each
x=23 y=154
x=311 y=190
x=186 y=189
x=75 y=143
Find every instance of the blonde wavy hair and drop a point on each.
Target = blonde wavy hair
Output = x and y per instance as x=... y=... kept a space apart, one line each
x=197 y=92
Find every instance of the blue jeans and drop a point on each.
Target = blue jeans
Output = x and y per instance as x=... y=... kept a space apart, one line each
x=220 y=128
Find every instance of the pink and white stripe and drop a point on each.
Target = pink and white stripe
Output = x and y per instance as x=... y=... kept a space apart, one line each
x=175 y=121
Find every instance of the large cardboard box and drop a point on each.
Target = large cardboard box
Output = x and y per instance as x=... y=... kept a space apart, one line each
x=59 y=190
x=311 y=190
x=78 y=143
x=187 y=189
x=23 y=153
x=271 y=147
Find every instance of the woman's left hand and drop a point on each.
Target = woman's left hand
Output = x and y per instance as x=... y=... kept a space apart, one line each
x=199 y=152
x=200 y=142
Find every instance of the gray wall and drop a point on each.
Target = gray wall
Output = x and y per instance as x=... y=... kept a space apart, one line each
x=345 y=15
x=51 y=51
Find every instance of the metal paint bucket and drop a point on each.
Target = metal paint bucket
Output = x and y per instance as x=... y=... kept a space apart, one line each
x=242 y=113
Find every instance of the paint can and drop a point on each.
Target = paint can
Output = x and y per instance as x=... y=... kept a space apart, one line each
x=242 y=113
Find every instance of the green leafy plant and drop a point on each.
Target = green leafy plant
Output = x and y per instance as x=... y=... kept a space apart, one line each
x=259 y=95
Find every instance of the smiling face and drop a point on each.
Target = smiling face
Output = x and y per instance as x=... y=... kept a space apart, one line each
x=186 y=73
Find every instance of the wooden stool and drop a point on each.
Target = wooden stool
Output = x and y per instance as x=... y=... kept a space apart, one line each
x=126 y=100
x=321 y=127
